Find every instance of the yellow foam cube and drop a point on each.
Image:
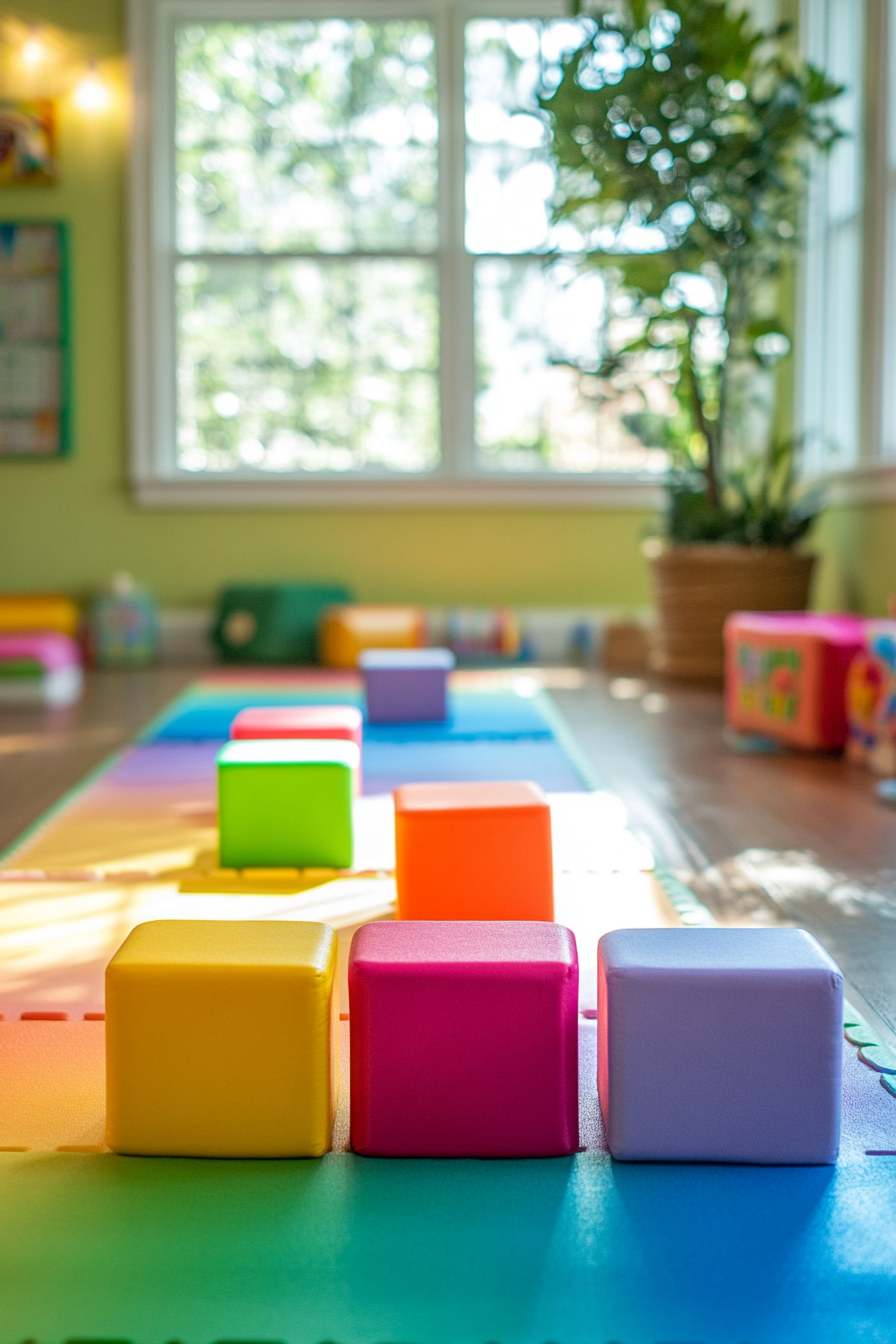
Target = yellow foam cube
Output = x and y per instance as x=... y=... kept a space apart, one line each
x=221 y=1039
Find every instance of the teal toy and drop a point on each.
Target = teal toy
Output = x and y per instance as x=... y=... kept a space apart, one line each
x=286 y=803
x=123 y=626
x=272 y=622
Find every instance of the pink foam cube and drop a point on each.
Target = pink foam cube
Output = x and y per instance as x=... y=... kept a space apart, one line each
x=464 y=1039
x=340 y=722
x=785 y=675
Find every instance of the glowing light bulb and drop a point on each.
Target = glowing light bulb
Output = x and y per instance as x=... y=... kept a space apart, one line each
x=33 y=52
x=91 y=95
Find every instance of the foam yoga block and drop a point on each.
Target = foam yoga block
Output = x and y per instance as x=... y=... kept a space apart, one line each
x=719 y=1045
x=406 y=685
x=464 y=1040
x=220 y=1039
x=286 y=803
x=473 y=851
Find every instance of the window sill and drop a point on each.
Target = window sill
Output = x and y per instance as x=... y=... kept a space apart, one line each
x=873 y=483
x=605 y=492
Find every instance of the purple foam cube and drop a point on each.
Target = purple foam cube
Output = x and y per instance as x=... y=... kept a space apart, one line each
x=406 y=685
x=464 y=1039
x=719 y=1045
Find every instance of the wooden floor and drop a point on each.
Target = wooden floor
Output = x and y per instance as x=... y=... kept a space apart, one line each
x=760 y=838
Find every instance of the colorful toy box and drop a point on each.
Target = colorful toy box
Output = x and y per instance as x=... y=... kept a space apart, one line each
x=785 y=675
x=871 y=700
x=123 y=626
x=345 y=631
x=39 y=667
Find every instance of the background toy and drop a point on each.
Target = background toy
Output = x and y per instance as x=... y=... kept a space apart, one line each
x=272 y=622
x=345 y=631
x=123 y=626
x=406 y=685
x=39 y=668
x=286 y=803
x=785 y=675
x=719 y=1045
x=473 y=851
x=464 y=1040
x=489 y=635
x=871 y=700
x=220 y=1041
x=28 y=612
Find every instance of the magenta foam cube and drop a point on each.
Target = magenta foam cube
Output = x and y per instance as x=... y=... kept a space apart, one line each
x=719 y=1045
x=406 y=685
x=464 y=1039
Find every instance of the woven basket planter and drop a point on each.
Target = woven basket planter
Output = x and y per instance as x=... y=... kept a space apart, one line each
x=696 y=587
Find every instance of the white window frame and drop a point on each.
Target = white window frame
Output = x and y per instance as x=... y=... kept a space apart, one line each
x=156 y=481
x=847 y=369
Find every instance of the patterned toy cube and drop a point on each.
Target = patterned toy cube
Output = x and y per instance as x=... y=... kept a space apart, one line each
x=464 y=1040
x=221 y=1039
x=406 y=685
x=719 y=1045
x=286 y=803
x=786 y=673
x=871 y=700
x=473 y=851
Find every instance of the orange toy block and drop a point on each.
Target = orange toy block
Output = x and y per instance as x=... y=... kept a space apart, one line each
x=473 y=851
x=345 y=631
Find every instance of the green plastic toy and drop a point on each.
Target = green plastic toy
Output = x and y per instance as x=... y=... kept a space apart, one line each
x=286 y=803
x=272 y=622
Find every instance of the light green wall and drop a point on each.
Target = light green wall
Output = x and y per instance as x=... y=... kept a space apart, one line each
x=70 y=524
x=858 y=550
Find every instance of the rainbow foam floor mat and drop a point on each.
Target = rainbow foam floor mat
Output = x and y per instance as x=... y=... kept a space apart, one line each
x=580 y=1250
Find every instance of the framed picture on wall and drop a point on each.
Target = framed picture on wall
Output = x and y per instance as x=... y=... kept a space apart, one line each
x=35 y=381
x=29 y=155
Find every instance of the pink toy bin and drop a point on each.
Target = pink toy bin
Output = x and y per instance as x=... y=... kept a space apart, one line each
x=464 y=1039
x=785 y=675
x=57 y=677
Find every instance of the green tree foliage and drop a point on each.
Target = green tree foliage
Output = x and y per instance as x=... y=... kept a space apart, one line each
x=688 y=121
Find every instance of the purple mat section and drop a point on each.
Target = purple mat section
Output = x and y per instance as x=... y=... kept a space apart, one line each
x=386 y=765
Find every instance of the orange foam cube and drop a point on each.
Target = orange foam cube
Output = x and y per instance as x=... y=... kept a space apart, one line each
x=473 y=851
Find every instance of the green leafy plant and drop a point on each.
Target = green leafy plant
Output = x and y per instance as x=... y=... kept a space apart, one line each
x=683 y=138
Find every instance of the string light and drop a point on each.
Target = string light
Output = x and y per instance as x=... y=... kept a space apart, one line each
x=91 y=94
x=34 y=51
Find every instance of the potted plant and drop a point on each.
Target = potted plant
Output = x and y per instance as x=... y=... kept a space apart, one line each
x=683 y=138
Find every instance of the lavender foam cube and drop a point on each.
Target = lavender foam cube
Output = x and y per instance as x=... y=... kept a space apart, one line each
x=719 y=1045
x=406 y=685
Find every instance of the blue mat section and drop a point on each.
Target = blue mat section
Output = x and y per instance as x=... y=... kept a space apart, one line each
x=501 y=716
x=388 y=765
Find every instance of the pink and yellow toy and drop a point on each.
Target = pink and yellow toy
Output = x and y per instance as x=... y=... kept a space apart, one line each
x=464 y=1039
x=871 y=700
x=785 y=675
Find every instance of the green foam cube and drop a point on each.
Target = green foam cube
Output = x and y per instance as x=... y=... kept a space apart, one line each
x=286 y=803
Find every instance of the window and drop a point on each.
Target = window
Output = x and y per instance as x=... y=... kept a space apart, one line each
x=347 y=285
x=830 y=348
